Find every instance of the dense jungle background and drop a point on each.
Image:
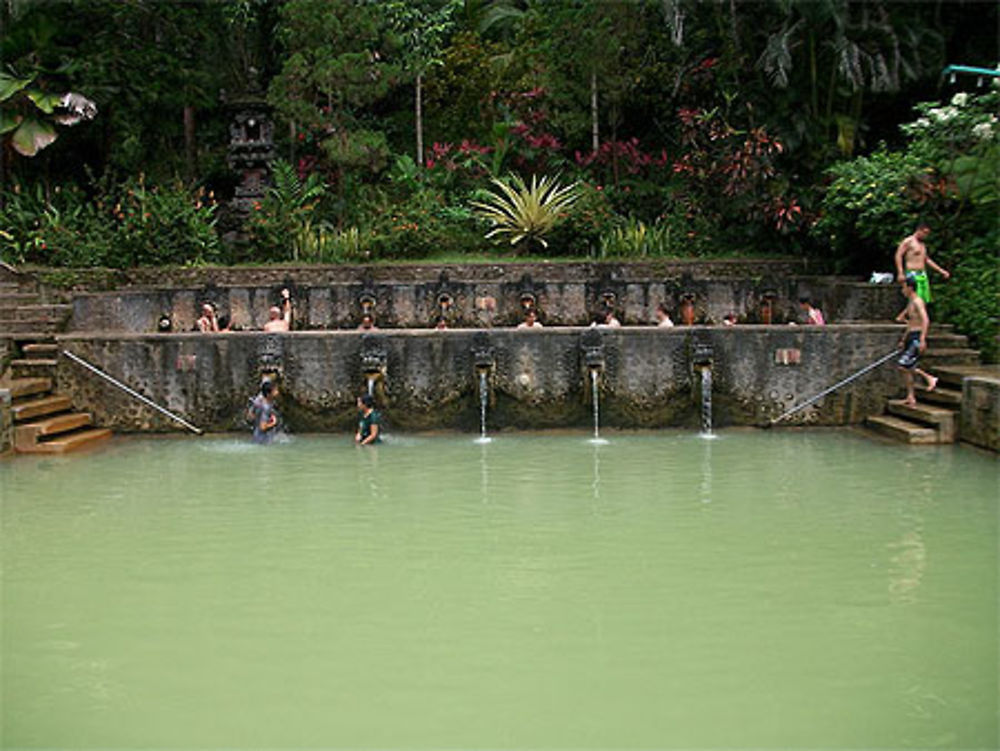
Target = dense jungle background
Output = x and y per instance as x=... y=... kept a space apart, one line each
x=451 y=130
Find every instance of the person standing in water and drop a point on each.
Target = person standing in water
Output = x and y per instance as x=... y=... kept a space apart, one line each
x=368 y=422
x=914 y=341
x=912 y=258
x=263 y=414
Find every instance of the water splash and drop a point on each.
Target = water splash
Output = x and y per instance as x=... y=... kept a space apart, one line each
x=706 y=402
x=371 y=386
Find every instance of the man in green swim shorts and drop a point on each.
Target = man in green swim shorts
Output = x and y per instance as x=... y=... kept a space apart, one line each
x=912 y=258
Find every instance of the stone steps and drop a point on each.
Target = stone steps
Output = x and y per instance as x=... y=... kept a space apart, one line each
x=941 y=396
x=943 y=421
x=43 y=326
x=40 y=349
x=27 y=436
x=24 y=387
x=34 y=367
x=67 y=442
x=24 y=338
x=936 y=415
x=947 y=341
x=15 y=297
x=50 y=312
x=44 y=422
x=41 y=407
x=935 y=357
x=953 y=375
x=901 y=429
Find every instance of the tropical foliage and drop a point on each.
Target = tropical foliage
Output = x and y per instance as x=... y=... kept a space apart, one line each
x=525 y=214
x=947 y=174
x=688 y=127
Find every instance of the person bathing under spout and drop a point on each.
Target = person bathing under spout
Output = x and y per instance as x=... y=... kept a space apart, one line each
x=368 y=422
x=914 y=341
x=262 y=412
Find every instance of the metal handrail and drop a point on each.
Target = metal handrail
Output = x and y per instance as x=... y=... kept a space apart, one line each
x=833 y=388
x=131 y=392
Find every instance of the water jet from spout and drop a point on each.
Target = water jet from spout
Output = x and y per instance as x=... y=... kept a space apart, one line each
x=706 y=402
x=484 y=396
x=595 y=397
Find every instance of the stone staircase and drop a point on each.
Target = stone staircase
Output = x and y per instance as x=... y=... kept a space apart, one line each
x=935 y=416
x=44 y=420
x=23 y=311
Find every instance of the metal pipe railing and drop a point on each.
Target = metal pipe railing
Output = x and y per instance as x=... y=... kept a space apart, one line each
x=131 y=392
x=833 y=388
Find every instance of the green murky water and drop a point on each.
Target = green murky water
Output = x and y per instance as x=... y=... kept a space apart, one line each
x=762 y=590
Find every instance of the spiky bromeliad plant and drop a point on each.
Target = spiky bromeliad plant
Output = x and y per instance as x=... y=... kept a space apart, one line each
x=526 y=214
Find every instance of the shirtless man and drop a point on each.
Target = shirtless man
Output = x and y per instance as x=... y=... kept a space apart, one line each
x=208 y=322
x=280 y=319
x=911 y=257
x=914 y=341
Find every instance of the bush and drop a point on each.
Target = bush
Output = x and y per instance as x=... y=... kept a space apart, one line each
x=122 y=225
x=422 y=225
x=282 y=222
x=971 y=298
x=586 y=221
x=948 y=174
x=871 y=204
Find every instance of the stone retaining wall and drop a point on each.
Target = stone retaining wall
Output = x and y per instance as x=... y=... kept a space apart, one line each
x=6 y=422
x=981 y=412
x=480 y=303
x=82 y=280
x=648 y=377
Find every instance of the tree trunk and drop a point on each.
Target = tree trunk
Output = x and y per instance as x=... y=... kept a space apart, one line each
x=190 y=144
x=419 y=107
x=595 y=140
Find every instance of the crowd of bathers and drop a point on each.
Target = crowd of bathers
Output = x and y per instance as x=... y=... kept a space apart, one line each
x=280 y=318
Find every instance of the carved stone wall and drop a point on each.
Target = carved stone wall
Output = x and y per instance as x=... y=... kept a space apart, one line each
x=537 y=379
x=471 y=303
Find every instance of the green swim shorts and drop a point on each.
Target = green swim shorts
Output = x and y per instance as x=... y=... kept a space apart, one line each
x=923 y=284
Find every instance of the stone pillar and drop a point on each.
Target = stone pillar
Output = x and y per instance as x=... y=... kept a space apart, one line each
x=6 y=422
x=980 y=423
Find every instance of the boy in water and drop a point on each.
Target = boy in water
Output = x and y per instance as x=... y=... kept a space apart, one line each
x=912 y=258
x=265 y=419
x=368 y=422
x=914 y=341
